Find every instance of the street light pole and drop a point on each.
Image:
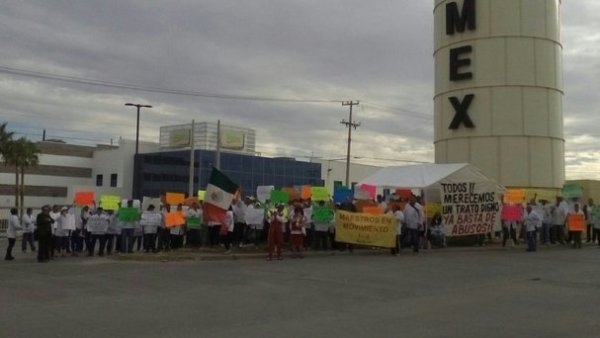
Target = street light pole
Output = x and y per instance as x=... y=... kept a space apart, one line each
x=137 y=126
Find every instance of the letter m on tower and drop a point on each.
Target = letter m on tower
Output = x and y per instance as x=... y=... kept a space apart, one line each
x=457 y=22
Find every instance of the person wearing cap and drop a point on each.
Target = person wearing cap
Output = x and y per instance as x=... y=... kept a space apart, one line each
x=44 y=234
x=275 y=237
x=575 y=233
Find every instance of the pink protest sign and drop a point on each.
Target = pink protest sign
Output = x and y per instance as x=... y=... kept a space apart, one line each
x=512 y=212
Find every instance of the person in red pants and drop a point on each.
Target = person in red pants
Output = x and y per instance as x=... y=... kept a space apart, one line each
x=275 y=238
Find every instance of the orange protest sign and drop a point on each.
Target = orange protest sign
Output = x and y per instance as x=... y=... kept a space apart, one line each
x=362 y=204
x=173 y=219
x=576 y=222
x=403 y=193
x=372 y=210
x=306 y=192
x=173 y=198
x=514 y=196
x=84 y=198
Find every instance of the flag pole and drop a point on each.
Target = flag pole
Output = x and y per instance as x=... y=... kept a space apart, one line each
x=218 y=150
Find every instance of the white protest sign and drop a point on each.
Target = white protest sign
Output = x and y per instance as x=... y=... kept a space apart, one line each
x=97 y=225
x=146 y=201
x=254 y=216
x=469 y=208
x=263 y=192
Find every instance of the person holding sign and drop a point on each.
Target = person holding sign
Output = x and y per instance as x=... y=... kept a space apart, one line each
x=150 y=222
x=322 y=216
x=576 y=225
x=194 y=225
x=97 y=226
x=129 y=219
x=177 y=229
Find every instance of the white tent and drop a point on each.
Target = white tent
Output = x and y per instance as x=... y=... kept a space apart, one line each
x=424 y=176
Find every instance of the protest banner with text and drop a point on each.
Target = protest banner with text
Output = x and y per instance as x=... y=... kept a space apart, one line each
x=365 y=229
x=469 y=208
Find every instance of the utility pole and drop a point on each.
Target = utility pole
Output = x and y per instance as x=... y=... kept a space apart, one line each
x=349 y=124
x=192 y=160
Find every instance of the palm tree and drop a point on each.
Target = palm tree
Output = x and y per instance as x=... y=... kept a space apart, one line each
x=21 y=154
x=30 y=159
x=5 y=138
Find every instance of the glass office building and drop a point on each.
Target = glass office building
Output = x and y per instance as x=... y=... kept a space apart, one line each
x=161 y=172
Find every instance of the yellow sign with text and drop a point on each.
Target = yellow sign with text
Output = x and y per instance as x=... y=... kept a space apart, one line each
x=365 y=229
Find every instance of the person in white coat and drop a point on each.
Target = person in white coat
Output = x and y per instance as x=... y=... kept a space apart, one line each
x=11 y=232
x=532 y=222
x=28 y=223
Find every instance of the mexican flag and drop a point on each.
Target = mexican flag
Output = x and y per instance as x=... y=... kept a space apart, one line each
x=219 y=194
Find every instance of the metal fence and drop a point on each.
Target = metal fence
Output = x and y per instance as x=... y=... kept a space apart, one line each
x=5 y=214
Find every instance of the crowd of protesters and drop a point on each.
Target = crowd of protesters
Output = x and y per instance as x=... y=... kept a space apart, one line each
x=89 y=231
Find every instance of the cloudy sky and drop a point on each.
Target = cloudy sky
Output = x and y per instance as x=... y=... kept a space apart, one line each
x=307 y=55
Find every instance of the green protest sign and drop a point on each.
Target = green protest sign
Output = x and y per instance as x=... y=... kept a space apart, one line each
x=193 y=222
x=278 y=196
x=572 y=191
x=322 y=214
x=129 y=214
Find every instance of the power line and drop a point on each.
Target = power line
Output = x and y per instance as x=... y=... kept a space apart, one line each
x=112 y=84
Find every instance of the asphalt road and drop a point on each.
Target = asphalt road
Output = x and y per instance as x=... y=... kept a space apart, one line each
x=487 y=292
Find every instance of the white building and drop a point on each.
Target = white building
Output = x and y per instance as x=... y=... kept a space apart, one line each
x=65 y=169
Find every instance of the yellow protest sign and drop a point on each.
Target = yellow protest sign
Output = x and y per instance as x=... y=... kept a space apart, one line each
x=432 y=208
x=320 y=194
x=201 y=195
x=110 y=202
x=365 y=229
